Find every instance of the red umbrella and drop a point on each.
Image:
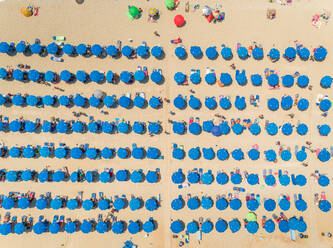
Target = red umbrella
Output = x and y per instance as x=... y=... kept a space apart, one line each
x=179 y=20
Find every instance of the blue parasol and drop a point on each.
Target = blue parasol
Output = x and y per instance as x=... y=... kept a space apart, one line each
x=320 y=53
x=252 y=204
x=137 y=177
x=284 y=180
x=8 y=203
x=17 y=74
x=304 y=53
x=122 y=175
x=133 y=227
x=178 y=127
x=237 y=128
x=60 y=152
x=195 y=78
x=68 y=49
x=287 y=129
x=207 y=178
x=109 y=76
x=156 y=77
x=300 y=180
x=324 y=155
x=178 y=153
x=221 y=204
x=326 y=81
x=269 y=226
x=237 y=154
x=178 y=177
x=302 y=129
x=273 y=80
x=135 y=203
x=324 y=205
x=91 y=153
x=138 y=153
x=286 y=102
x=52 y=48
x=23 y=203
x=96 y=50
x=253 y=154
x=323 y=180
x=11 y=176
x=28 y=152
x=206 y=226
x=210 y=103
x=101 y=227
x=287 y=81
x=193 y=203
x=226 y=53
x=139 y=102
x=142 y=51
x=58 y=176
x=149 y=226
x=235 y=204
x=270 y=205
x=301 y=205
x=151 y=204
x=274 y=54
x=3 y=73
x=72 y=204
x=211 y=52
x=225 y=103
x=303 y=81
x=127 y=51
x=125 y=102
x=81 y=76
x=81 y=49
x=109 y=101
x=15 y=126
x=234 y=225
x=39 y=228
x=180 y=52
x=225 y=79
x=221 y=226
x=179 y=102
x=179 y=77
x=194 y=153
x=192 y=227
x=96 y=76
x=207 y=126
x=20 y=47
x=270 y=180
x=196 y=51
x=256 y=79
x=79 y=100
x=236 y=178
x=152 y=176
x=26 y=175
x=14 y=152
x=210 y=78
x=242 y=52
x=87 y=204
x=155 y=102
x=86 y=227
x=222 y=178
x=284 y=204
x=258 y=53
x=139 y=75
x=107 y=153
x=54 y=228
x=325 y=105
x=36 y=48
x=119 y=203
x=284 y=226
x=290 y=53
x=43 y=176
x=70 y=227
x=19 y=228
x=273 y=104
x=252 y=227
x=33 y=75
x=208 y=153
x=253 y=179
x=156 y=51
x=123 y=153
x=56 y=203
x=195 y=128
x=153 y=153
x=138 y=127
x=112 y=50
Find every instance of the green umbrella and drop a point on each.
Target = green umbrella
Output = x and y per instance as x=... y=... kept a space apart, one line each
x=133 y=11
x=170 y=4
x=251 y=216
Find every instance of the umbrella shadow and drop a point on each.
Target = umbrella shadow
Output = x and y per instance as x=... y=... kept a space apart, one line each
x=162 y=56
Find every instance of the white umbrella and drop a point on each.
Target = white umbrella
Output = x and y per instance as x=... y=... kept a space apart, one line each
x=99 y=94
x=206 y=10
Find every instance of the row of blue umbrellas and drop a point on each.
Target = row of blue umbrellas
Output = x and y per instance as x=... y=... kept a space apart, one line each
x=234 y=225
x=273 y=104
x=80 y=153
x=136 y=176
x=257 y=53
x=255 y=129
x=237 y=154
x=86 y=226
x=81 y=101
x=223 y=178
x=81 y=49
x=42 y=203
x=80 y=127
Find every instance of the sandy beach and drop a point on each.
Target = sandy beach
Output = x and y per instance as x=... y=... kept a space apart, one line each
x=104 y=22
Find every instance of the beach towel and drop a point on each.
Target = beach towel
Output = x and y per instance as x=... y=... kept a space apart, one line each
x=129 y=16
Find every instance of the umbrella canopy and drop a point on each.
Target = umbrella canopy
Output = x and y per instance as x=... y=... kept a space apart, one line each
x=194 y=153
x=252 y=204
x=274 y=54
x=149 y=226
x=11 y=176
x=139 y=75
x=56 y=203
x=72 y=204
x=81 y=49
x=256 y=79
x=225 y=79
x=101 y=227
x=14 y=152
x=207 y=126
x=39 y=228
x=301 y=155
x=237 y=154
x=142 y=51
x=96 y=76
x=28 y=152
x=118 y=227
x=270 y=180
x=26 y=175
x=122 y=175
x=155 y=102
x=242 y=52
x=157 y=51
x=237 y=128
x=110 y=101
x=79 y=100
x=270 y=205
x=4 y=47
x=211 y=103
x=125 y=102
x=179 y=77
x=33 y=75
x=234 y=225
x=284 y=204
x=226 y=53
x=273 y=80
x=178 y=177
x=207 y=226
x=207 y=178
x=304 y=53
x=60 y=152
x=324 y=205
x=19 y=228
x=192 y=227
x=18 y=100
x=134 y=11
x=325 y=105
x=68 y=49
x=323 y=180
x=300 y=180
x=195 y=128
x=253 y=179
x=253 y=154
x=88 y=204
x=135 y=203
x=36 y=48
x=225 y=103
x=208 y=153
x=180 y=52
x=70 y=227
x=119 y=203
x=86 y=227
x=222 y=178
x=23 y=203
x=326 y=81
x=127 y=51
x=52 y=48
x=273 y=104
x=179 y=102
x=303 y=81
x=195 y=78
x=284 y=180
x=178 y=153
x=8 y=203
x=284 y=226
x=302 y=129
x=156 y=77
x=137 y=176
x=320 y=53
x=139 y=102
x=252 y=227
x=17 y=74
x=177 y=204
x=258 y=53
x=288 y=81
x=179 y=20
x=193 y=203
x=290 y=53
x=236 y=178
x=240 y=103
x=210 y=78
x=286 y=102
x=196 y=51
x=301 y=205
x=221 y=226
x=54 y=228
x=3 y=73
x=269 y=226
x=235 y=204
x=134 y=227
x=221 y=204
x=177 y=226
x=96 y=50
x=211 y=52
x=287 y=129
x=151 y=204
x=58 y=176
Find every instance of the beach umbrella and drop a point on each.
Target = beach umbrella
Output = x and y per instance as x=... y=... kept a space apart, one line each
x=178 y=177
x=211 y=52
x=76 y=153
x=152 y=176
x=19 y=228
x=253 y=154
x=101 y=227
x=301 y=225
x=303 y=81
x=288 y=81
x=81 y=49
x=178 y=153
x=287 y=129
x=274 y=54
x=72 y=204
x=207 y=126
x=52 y=48
x=237 y=128
x=142 y=51
x=237 y=154
x=236 y=178
x=54 y=228
x=226 y=53
x=302 y=129
x=86 y=227
x=192 y=227
x=43 y=176
x=196 y=51
x=138 y=128
x=207 y=178
x=15 y=126
x=258 y=53
x=193 y=203
x=122 y=175
x=177 y=226
x=134 y=11
x=193 y=177
x=39 y=228
x=270 y=205
x=284 y=226
x=208 y=153
x=195 y=128
x=107 y=127
x=284 y=180
x=221 y=226
x=110 y=101
x=221 y=203
x=269 y=226
x=14 y=152
x=151 y=204
x=290 y=53
x=109 y=76
x=119 y=203
x=195 y=78
x=60 y=152
x=210 y=103
x=286 y=102
x=91 y=153
x=96 y=50
x=323 y=180
x=139 y=75
x=251 y=217
x=207 y=226
x=135 y=203
x=48 y=100
x=11 y=176
x=217 y=131
x=106 y=153
x=20 y=47
x=177 y=203
x=28 y=152
x=241 y=78
x=138 y=153
x=96 y=76
x=304 y=53
x=154 y=127
x=49 y=76
x=194 y=153
x=242 y=52
x=125 y=102
x=240 y=103
x=62 y=127
x=225 y=103
x=170 y=4
x=2 y=99
x=26 y=175
x=64 y=100
x=137 y=177
x=300 y=180
x=127 y=51
x=17 y=74
x=301 y=155
x=234 y=225
x=252 y=227
x=149 y=226
x=225 y=79
x=70 y=227
x=56 y=203
x=273 y=80
x=139 y=102
x=293 y=222
x=8 y=203
x=155 y=102
x=3 y=73
x=179 y=20
x=179 y=77
x=270 y=180
x=122 y=153
x=273 y=104
x=153 y=153
x=74 y=177
x=320 y=53
x=180 y=52
x=123 y=127
x=235 y=204
x=87 y=204
x=23 y=203
x=222 y=178
x=77 y=127
x=253 y=179
x=68 y=49
x=284 y=204
x=256 y=79
x=79 y=100
x=81 y=76
x=324 y=130
x=156 y=77
x=301 y=205
x=4 y=47
x=252 y=204
x=324 y=205
x=33 y=75
x=325 y=105
x=133 y=227
x=324 y=155
x=58 y=176
x=156 y=51
x=210 y=78
x=36 y=48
